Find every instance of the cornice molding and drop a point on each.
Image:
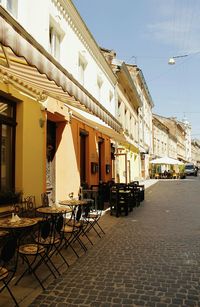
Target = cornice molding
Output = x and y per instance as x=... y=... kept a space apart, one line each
x=72 y=16
x=125 y=79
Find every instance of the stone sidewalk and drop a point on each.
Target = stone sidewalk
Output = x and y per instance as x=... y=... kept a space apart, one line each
x=150 y=258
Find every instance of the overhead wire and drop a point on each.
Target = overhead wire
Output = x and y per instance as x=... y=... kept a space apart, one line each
x=182 y=23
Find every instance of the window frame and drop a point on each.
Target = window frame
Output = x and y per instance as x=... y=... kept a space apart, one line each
x=9 y=121
x=14 y=4
x=56 y=35
x=82 y=64
x=54 y=42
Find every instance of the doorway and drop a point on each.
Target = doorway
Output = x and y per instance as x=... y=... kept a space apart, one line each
x=100 y=151
x=122 y=167
x=50 y=160
x=83 y=157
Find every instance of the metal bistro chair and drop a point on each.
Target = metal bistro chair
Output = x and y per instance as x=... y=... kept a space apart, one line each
x=58 y=240
x=119 y=199
x=29 y=208
x=92 y=211
x=44 y=199
x=73 y=229
x=39 y=251
x=8 y=264
x=92 y=216
x=138 y=193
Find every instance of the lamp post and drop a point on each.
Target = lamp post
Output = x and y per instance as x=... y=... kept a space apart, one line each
x=172 y=59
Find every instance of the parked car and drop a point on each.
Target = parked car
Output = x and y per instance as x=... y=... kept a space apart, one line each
x=190 y=169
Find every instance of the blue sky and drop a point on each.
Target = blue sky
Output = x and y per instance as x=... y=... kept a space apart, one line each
x=148 y=33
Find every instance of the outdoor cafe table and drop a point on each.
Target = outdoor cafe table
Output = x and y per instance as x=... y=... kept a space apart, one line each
x=18 y=228
x=54 y=210
x=73 y=202
x=23 y=222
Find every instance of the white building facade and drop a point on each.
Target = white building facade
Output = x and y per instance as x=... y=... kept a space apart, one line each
x=145 y=136
x=77 y=99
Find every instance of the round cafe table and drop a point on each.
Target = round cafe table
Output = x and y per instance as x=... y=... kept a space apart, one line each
x=54 y=210
x=73 y=202
x=18 y=228
x=23 y=222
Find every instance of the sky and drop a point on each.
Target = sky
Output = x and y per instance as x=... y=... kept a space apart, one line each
x=148 y=33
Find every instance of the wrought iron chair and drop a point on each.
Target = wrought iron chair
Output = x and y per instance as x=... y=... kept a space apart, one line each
x=58 y=222
x=138 y=193
x=8 y=264
x=119 y=199
x=92 y=216
x=39 y=252
x=29 y=208
x=73 y=229
x=44 y=199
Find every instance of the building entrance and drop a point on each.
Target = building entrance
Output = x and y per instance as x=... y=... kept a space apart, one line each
x=50 y=160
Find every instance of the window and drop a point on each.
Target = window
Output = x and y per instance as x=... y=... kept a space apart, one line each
x=54 y=42
x=99 y=87
x=56 y=35
x=82 y=63
x=11 y=6
x=119 y=110
x=126 y=119
x=111 y=95
x=7 y=139
x=81 y=68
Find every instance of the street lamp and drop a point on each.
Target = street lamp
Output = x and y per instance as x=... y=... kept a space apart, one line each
x=172 y=59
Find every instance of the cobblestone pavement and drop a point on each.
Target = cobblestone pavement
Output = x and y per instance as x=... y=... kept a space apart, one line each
x=150 y=258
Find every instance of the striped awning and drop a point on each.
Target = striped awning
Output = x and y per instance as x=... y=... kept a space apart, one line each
x=26 y=64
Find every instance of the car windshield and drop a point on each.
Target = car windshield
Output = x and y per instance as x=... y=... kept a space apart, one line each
x=189 y=167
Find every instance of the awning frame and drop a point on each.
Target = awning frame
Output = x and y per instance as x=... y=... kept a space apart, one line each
x=14 y=36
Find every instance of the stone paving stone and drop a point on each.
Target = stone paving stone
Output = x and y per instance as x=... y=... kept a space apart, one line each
x=149 y=258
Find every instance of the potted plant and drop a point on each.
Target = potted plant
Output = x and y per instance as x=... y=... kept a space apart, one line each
x=10 y=197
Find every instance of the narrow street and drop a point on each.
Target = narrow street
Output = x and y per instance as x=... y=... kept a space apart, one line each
x=150 y=258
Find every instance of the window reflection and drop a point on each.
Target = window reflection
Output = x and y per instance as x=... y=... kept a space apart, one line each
x=7 y=132
x=5 y=109
x=6 y=157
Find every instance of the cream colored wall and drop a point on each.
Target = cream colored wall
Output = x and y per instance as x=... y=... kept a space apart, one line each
x=33 y=150
x=125 y=120
x=172 y=149
x=132 y=130
x=131 y=156
x=67 y=172
x=121 y=168
x=30 y=145
x=134 y=161
x=137 y=167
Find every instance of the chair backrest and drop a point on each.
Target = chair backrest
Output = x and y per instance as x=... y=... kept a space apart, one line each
x=8 y=250
x=114 y=191
x=86 y=210
x=9 y=256
x=46 y=235
x=45 y=199
x=59 y=223
x=135 y=182
x=45 y=229
x=78 y=214
x=29 y=206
